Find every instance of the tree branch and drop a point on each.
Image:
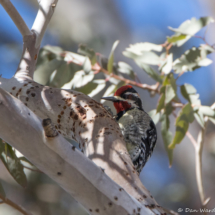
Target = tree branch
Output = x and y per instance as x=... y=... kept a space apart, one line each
x=46 y=10
x=15 y=16
x=13 y=205
x=31 y=43
x=152 y=88
x=73 y=171
x=198 y=153
x=192 y=140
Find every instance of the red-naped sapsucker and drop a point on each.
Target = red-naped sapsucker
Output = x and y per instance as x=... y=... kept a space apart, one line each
x=137 y=127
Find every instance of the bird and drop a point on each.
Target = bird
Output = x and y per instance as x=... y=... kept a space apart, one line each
x=137 y=127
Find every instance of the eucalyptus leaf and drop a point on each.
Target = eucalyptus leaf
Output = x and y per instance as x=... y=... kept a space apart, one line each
x=166 y=69
x=200 y=119
x=2 y=192
x=100 y=86
x=168 y=109
x=44 y=71
x=126 y=69
x=53 y=49
x=186 y=116
x=139 y=48
x=87 y=65
x=189 y=28
x=24 y=159
x=192 y=59
x=176 y=38
x=110 y=90
x=14 y=166
x=212 y=119
x=90 y=53
x=79 y=80
x=160 y=105
x=111 y=57
x=207 y=111
x=167 y=137
x=151 y=73
x=154 y=115
x=169 y=94
x=63 y=74
x=147 y=58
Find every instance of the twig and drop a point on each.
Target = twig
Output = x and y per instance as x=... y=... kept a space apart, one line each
x=153 y=88
x=15 y=16
x=198 y=150
x=192 y=140
x=45 y=12
x=14 y=205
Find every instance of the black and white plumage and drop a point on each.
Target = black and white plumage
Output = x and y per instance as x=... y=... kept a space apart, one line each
x=137 y=127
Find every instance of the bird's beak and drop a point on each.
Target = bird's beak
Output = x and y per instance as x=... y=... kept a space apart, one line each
x=111 y=98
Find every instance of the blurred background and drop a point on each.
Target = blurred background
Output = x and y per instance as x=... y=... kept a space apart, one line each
x=99 y=23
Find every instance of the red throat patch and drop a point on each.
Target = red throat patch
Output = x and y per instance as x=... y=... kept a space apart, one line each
x=121 y=106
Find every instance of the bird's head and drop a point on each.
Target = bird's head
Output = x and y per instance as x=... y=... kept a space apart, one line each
x=125 y=98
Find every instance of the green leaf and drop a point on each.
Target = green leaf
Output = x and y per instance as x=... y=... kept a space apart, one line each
x=168 y=109
x=154 y=115
x=173 y=84
x=167 y=137
x=109 y=91
x=207 y=111
x=126 y=69
x=86 y=51
x=24 y=159
x=87 y=65
x=192 y=59
x=160 y=105
x=194 y=99
x=111 y=58
x=189 y=93
x=169 y=94
x=14 y=166
x=200 y=119
x=2 y=193
x=146 y=58
x=167 y=67
x=186 y=116
x=151 y=73
x=63 y=74
x=100 y=86
x=212 y=119
x=53 y=49
x=140 y=48
x=79 y=80
x=189 y=28
x=190 y=89
x=176 y=38
x=44 y=71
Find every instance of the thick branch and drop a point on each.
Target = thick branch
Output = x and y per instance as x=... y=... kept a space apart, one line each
x=15 y=16
x=31 y=43
x=46 y=10
x=76 y=116
x=71 y=170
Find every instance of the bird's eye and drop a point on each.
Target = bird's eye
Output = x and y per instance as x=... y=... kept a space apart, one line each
x=130 y=97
